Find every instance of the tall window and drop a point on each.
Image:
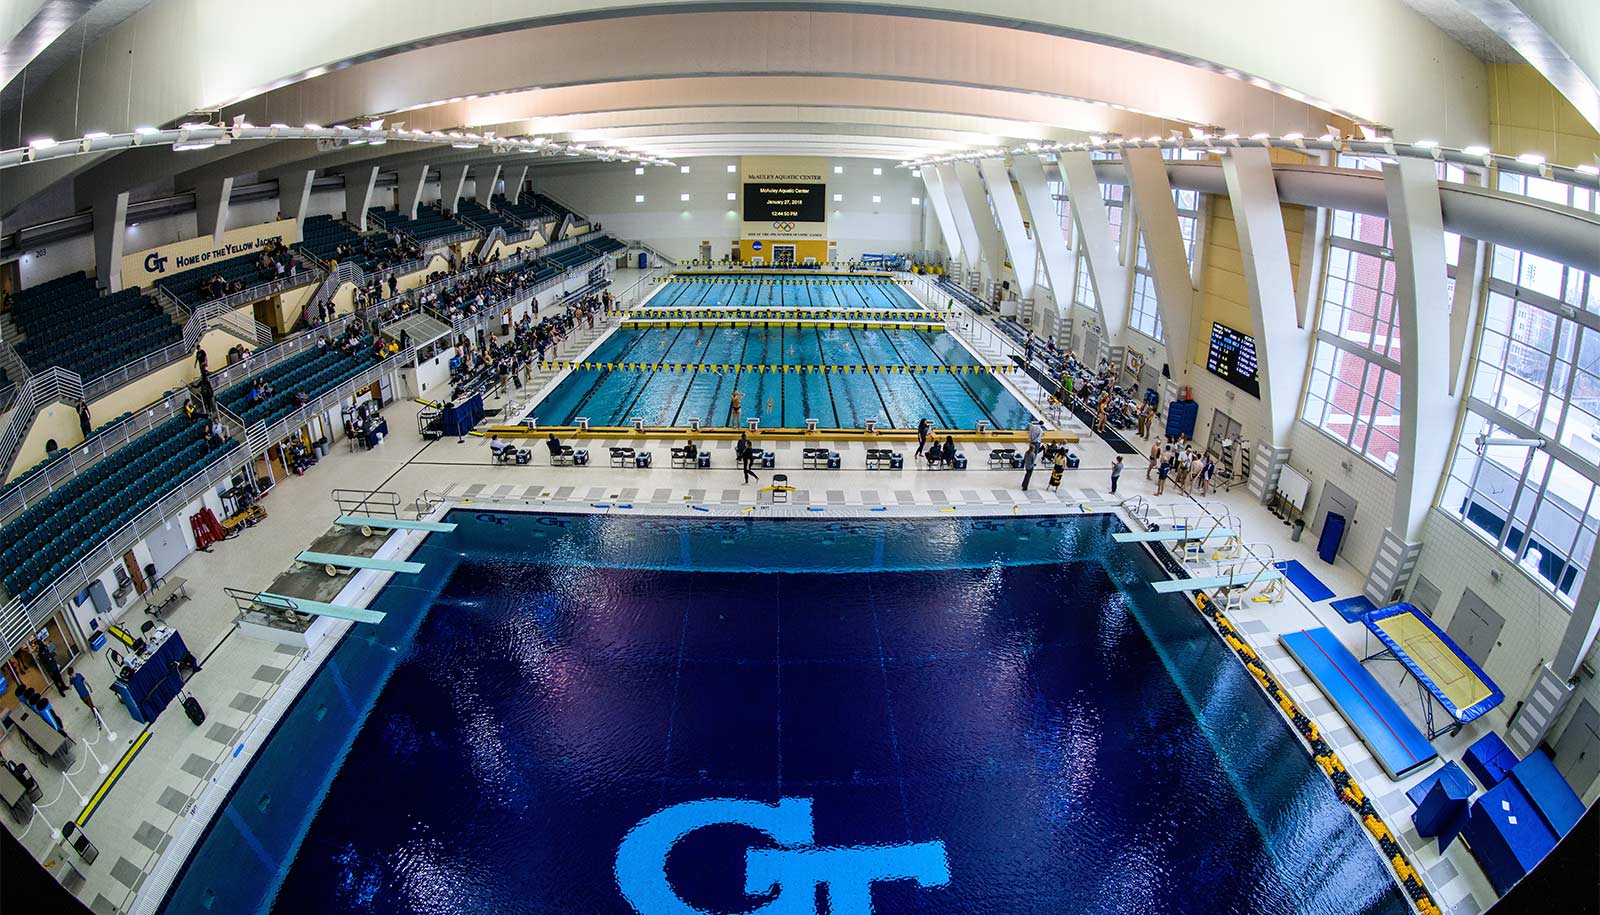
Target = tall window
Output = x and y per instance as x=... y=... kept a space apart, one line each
x=1354 y=392
x=1536 y=376
x=1145 y=315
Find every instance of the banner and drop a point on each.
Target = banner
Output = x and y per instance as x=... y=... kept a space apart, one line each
x=784 y=197
x=143 y=268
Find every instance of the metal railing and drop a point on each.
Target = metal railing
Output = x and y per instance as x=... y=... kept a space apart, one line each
x=18 y=621
x=261 y=290
x=54 y=384
x=279 y=428
x=369 y=502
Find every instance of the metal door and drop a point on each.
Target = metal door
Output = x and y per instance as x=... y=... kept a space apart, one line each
x=1578 y=750
x=1475 y=627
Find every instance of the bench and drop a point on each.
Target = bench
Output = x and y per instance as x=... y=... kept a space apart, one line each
x=567 y=456
x=939 y=463
x=819 y=459
x=884 y=459
x=685 y=457
x=627 y=457
x=1004 y=459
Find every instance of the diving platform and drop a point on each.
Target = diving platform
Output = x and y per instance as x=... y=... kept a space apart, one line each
x=1238 y=580
x=281 y=603
x=366 y=522
x=1171 y=536
x=358 y=562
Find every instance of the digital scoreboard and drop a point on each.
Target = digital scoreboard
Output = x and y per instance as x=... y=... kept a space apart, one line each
x=1232 y=357
x=784 y=202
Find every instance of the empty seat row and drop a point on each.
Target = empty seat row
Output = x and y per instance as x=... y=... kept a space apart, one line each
x=67 y=322
x=475 y=214
x=332 y=240
x=47 y=539
x=429 y=224
x=311 y=373
x=524 y=209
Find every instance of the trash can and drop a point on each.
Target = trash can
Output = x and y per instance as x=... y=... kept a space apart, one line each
x=1298 y=528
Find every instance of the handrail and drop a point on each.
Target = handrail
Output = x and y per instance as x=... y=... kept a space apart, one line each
x=366 y=502
x=427 y=502
x=49 y=386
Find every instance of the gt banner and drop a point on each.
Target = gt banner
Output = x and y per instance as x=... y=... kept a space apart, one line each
x=145 y=267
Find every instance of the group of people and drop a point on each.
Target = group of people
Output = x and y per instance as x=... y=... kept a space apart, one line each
x=1178 y=460
x=379 y=251
x=44 y=655
x=502 y=365
x=273 y=260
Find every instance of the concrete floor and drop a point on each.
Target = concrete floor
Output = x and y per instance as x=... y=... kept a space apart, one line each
x=244 y=679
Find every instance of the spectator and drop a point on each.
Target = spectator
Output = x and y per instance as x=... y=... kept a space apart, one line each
x=83 y=419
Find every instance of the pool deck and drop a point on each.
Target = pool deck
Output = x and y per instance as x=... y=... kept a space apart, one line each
x=245 y=682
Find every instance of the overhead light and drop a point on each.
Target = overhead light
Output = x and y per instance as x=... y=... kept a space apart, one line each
x=1260 y=136
x=1425 y=144
x=464 y=145
x=41 y=143
x=187 y=147
x=1294 y=136
x=144 y=130
x=1589 y=169
x=313 y=126
x=1531 y=159
x=1476 y=150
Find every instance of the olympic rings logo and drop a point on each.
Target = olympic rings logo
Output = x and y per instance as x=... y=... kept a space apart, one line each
x=783 y=227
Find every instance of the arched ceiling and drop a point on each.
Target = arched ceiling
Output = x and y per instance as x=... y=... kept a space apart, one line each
x=886 y=79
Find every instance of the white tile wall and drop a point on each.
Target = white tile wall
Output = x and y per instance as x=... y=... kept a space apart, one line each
x=1318 y=456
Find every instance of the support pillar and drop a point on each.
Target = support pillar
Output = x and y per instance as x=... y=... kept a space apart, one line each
x=412 y=180
x=1019 y=246
x=1059 y=266
x=484 y=178
x=1283 y=342
x=1100 y=247
x=110 y=232
x=452 y=180
x=211 y=207
x=1164 y=251
x=514 y=190
x=358 y=184
x=971 y=250
x=294 y=194
x=992 y=261
x=940 y=204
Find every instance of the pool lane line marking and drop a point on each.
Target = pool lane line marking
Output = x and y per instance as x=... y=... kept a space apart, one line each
x=111 y=779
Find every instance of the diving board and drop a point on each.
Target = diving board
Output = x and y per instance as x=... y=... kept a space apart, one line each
x=1238 y=580
x=1396 y=743
x=1171 y=535
x=393 y=524
x=358 y=562
x=318 y=608
x=1442 y=670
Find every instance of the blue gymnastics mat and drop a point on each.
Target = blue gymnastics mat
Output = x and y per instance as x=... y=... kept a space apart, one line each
x=1354 y=608
x=1396 y=743
x=1305 y=582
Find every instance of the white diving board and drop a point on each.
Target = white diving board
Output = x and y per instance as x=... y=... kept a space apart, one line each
x=1172 y=535
x=1173 y=586
x=318 y=608
x=358 y=562
x=393 y=524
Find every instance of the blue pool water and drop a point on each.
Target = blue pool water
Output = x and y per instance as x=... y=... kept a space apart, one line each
x=1044 y=736
x=670 y=398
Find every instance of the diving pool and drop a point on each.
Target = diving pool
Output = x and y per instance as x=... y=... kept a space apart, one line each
x=604 y=715
x=724 y=359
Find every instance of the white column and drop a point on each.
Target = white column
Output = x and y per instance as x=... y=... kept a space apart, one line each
x=1100 y=246
x=412 y=180
x=294 y=194
x=1053 y=249
x=514 y=190
x=1283 y=343
x=988 y=233
x=211 y=207
x=110 y=231
x=1013 y=232
x=940 y=204
x=1427 y=406
x=452 y=179
x=358 y=184
x=971 y=250
x=1164 y=250
x=484 y=178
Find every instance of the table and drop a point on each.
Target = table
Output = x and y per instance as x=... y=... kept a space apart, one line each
x=155 y=681
x=11 y=790
x=460 y=419
x=51 y=742
x=170 y=589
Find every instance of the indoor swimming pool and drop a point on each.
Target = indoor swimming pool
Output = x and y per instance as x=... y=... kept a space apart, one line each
x=607 y=715
x=720 y=360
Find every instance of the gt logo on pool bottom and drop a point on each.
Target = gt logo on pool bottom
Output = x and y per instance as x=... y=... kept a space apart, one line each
x=793 y=870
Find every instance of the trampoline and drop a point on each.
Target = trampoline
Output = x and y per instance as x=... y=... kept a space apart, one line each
x=1442 y=670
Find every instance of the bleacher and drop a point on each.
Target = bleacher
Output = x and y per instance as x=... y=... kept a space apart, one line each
x=523 y=209
x=313 y=372
x=429 y=224
x=44 y=542
x=322 y=235
x=67 y=322
x=550 y=206
x=185 y=286
x=476 y=214
x=585 y=251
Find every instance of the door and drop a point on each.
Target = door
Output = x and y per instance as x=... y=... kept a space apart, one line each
x=1334 y=499
x=1425 y=595
x=1224 y=428
x=1475 y=627
x=1578 y=751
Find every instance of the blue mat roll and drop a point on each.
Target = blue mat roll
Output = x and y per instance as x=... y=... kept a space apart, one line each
x=1305 y=582
x=1354 y=608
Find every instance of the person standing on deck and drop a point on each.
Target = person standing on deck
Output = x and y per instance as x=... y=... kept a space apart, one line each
x=923 y=429
x=1028 y=460
x=1116 y=473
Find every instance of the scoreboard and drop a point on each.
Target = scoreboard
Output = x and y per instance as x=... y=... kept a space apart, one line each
x=1232 y=357
x=784 y=202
